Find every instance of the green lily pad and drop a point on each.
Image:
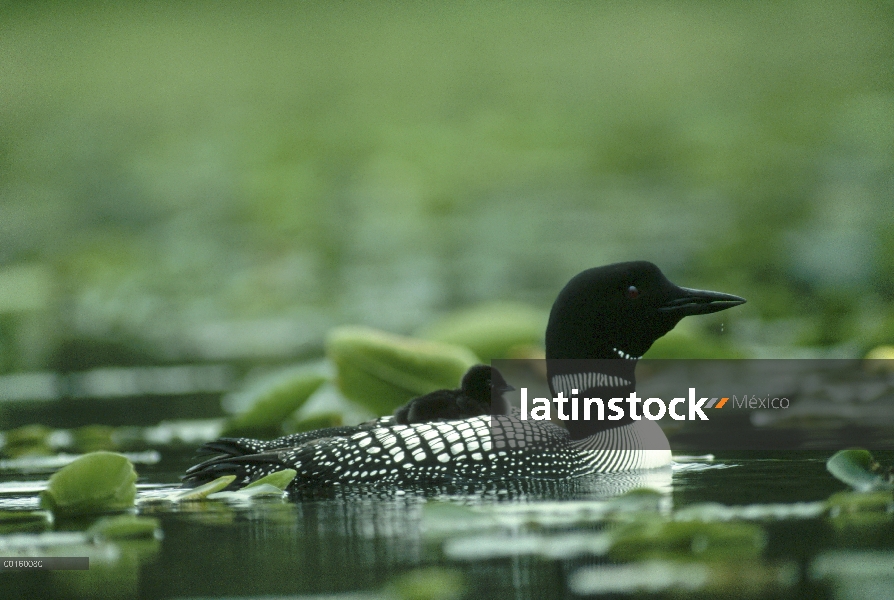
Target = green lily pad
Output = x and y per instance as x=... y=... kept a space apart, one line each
x=265 y=490
x=202 y=492
x=654 y=539
x=433 y=583
x=93 y=438
x=20 y=521
x=278 y=479
x=94 y=483
x=30 y=440
x=274 y=403
x=28 y=435
x=491 y=331
x=381 y=371
x=856 y=502
x=125 y=527
x=858 y=469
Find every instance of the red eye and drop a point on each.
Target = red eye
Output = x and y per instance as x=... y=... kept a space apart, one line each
x=632 y=292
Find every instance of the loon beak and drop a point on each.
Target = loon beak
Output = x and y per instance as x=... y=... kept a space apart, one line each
x=505 y=388
x=699 y=302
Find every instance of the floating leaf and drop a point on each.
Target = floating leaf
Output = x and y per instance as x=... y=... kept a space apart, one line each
x=491 y=331
x=92 y=438
x=125 y=527
x=95 y=482
x=274 y=403
x=279 y=479
x=856 y=502
x=24 y=520
x=201 y=492
x=858 y=469
x=433 y=583
x=264 y=490
x=654 y=539
x=381 y=371
x=30 y=440
x=28 y=435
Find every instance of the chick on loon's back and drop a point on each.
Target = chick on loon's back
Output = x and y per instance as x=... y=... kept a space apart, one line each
x=613 y=312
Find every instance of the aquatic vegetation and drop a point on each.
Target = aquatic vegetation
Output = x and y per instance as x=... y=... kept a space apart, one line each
x=94 y=483
x=381 y=371
x=273 y=403
x=433 y=583
x=123 y=527
x=17 y=521
x=491 y=331
x=279 y=479
x=649 y=539
x=858 y=469
x=203 y=491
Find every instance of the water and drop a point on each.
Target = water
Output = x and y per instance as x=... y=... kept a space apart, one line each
x=522 y=543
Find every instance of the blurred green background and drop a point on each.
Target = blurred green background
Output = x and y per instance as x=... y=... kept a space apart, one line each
x=206 y=181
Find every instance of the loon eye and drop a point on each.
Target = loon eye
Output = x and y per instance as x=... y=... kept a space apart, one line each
x=632 y=292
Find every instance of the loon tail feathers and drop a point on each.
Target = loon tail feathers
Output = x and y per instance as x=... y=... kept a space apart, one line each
x=246 y=468
x=316 y=463
x=233 y=447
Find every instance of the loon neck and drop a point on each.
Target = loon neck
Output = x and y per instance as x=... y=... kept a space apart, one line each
x=605 y=379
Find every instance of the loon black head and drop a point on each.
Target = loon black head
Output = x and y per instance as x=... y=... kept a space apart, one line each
x=615 y=312
x=619 y=310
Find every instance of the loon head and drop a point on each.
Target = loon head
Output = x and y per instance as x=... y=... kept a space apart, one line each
x=619 y=310
x=615 y=312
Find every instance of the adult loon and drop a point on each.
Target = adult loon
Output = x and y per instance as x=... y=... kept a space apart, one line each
x=612 y=314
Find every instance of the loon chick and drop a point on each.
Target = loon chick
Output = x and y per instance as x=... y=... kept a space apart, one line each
x=473 y=398
x=612 y=313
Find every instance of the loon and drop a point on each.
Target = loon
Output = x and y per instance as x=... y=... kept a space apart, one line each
x=480 y=385
x=608 y=315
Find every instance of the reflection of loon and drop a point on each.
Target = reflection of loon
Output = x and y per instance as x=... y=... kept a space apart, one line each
x=614 y=312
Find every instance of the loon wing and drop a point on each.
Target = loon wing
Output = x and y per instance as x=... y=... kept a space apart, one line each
x=246 y=446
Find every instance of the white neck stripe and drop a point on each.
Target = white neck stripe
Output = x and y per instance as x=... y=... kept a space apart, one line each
x=584 y=381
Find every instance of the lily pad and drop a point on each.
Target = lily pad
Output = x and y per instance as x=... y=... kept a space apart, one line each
x=264 y=490
x=279 y=479
x=125 y=527
x=92 y=438
x=24 y=521
x=491 y=331
x=433 y=583
x=94 y=483
x=653 y=539
x=858 y=469
x=274 y=403
x=381 y=371
x=203 y=491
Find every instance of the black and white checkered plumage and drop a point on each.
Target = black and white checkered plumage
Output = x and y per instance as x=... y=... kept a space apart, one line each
x=612 y=313
x=487 y=447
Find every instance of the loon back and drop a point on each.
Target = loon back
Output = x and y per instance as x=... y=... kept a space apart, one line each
x=485 y=448
x=614 y=312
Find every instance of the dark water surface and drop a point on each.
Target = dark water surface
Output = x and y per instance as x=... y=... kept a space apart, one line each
x=361 y=541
